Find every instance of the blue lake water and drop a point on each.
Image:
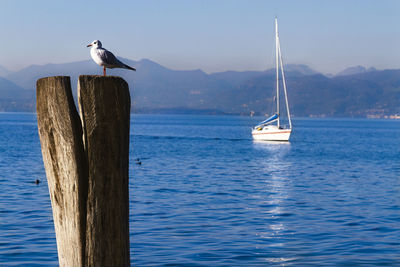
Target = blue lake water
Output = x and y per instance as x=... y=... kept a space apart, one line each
x=207 y=195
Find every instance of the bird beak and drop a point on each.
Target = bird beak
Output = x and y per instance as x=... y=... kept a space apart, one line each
x=89 y=45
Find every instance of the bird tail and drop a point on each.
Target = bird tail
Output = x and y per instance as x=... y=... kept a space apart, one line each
x=129 y=68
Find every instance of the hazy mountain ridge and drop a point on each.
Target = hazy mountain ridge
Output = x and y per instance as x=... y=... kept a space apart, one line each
x=15 y=98
x=154 y=87
x=355 y=70
x=4 y=72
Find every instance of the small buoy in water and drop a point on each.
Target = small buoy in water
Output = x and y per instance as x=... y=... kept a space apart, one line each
x=137 y=159
x=37 y=181
x=138 y=162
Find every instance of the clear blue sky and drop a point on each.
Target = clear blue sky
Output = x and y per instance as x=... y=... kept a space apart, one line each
x=212 y=35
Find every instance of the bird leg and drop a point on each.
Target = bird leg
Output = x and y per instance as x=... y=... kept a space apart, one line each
x=104 y=71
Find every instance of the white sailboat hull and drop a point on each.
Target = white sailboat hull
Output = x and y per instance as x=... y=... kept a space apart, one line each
x=271 y=134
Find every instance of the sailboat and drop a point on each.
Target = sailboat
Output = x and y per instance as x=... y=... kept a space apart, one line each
x=271 y=129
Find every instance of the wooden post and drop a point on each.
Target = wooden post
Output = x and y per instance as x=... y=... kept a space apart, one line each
x=64 y=160
x=105 y=104
x=87 y=163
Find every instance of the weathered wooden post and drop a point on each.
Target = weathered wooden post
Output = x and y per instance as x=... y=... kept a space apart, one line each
x=105 y=104
x=64 y=159
x=87 y=163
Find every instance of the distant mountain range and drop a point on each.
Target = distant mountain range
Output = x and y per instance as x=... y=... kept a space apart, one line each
x=4 y=72
x=355 y=70
x=355 y=92
x=14 y=97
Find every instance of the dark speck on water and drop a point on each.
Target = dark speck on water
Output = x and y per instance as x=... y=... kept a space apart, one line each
x=210 y=196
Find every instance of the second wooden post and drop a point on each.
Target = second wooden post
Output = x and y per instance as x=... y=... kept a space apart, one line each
x=106 y=142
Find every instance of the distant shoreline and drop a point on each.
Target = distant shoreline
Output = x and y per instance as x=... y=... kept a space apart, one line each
x=195 y=112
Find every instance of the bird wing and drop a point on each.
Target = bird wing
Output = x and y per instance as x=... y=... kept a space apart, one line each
x=109 y=59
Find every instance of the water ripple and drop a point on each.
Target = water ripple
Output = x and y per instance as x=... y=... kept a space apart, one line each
x=206 y=195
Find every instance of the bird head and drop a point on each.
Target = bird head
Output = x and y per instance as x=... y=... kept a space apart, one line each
x=95 y=44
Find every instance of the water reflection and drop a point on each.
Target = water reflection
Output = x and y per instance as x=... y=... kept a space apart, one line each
x=270 y=144
x=275 y=167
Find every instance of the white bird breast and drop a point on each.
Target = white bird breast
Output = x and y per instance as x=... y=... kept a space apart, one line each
x=94 y=53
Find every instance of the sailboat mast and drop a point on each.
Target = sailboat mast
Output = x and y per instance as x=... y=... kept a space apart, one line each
x=284 y=87
x=277 y=68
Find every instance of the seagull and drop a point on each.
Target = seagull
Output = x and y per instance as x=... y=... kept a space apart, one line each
x=105 y=58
